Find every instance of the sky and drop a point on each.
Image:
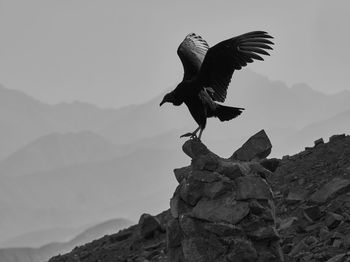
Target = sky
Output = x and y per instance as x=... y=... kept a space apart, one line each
x=114 y=53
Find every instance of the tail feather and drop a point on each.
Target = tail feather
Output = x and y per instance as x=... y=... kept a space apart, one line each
x=225 y=113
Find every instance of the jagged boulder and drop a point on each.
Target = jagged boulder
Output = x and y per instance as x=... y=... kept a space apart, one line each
x=257 y=147
x=148 y=225
x=223 y=209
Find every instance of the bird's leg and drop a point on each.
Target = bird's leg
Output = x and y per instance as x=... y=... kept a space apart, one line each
x=191 y=135
x=200 y=134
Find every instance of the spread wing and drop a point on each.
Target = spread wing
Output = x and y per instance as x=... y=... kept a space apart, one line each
x=192 y=51
x=227 y=56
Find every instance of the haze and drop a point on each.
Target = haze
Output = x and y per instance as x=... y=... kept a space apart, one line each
x=113 y=53
x=70 y=167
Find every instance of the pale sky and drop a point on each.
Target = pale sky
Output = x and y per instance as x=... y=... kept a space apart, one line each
x=114 y=53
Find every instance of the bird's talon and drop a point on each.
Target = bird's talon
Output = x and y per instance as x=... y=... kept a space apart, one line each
x=191 y=135
x=186 y=135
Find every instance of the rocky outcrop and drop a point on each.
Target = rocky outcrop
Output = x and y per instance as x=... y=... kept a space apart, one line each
x=223 y=209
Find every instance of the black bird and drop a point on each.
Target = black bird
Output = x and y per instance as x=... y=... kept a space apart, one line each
x=208 y=73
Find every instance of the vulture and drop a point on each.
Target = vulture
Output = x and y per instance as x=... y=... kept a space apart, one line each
x=208 y=72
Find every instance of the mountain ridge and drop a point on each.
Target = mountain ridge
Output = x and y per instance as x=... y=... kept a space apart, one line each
x=43 y=253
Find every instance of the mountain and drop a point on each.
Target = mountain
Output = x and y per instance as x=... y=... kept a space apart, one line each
x=85 y=116
x=24 y=119
x=74 y=175
x=268 y=104
x=56 y=150
x=45 y=252
x=294 y=142
x=246 y=208
x=102 y=229
x=36 y=239
x=80 y=194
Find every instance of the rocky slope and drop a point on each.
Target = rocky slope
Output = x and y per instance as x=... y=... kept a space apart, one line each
x=312 y=196
x=223 y=210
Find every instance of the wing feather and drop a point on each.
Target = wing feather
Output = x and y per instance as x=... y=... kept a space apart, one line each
x=224 y=58
x=192 y=51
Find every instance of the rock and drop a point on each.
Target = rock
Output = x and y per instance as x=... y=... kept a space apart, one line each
x=312 y=213
x=174 y=233
x=191 y=190
x=194 y=148
x=307 y=256
x=257 y=147
x=242 y=251
x=301 y=181
x=202 y=157
x=295 y=196
x=231 y=169
x=175 y=254
x=182 y=173
x=264 y=210
x=201 y=250
x=121 y=236
x=223 y=229
x=336 y=137
x=264 y=233
x=330 y=190
x=192 y=227
x=298 y=248
x=228 y=210
x=346 y=242
x=252 y=187
x=286 y=223
x=216 y=189
x=347 y=171
x=313 y=227
x=319 y=142
x=310 y=240
x=337 y=235
x=270 y=164
x=337 y=258
x=148 y=225
x=337 y=243
x=285 y=157
x=206 y=162
x=206 y=176
x=301 y=225
x=346 y=217
x=177 y=205
x=333 y=220
x=141 y=259
x=225 y=209
x=257 y=169
x=324 y=233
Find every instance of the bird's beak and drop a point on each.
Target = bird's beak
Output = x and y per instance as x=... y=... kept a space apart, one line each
x=161 y=103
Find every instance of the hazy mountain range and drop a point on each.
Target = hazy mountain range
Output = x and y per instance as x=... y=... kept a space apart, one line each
x=43 y=253
x=77 y=164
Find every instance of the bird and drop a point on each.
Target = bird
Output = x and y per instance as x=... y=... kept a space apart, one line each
x=208 y=72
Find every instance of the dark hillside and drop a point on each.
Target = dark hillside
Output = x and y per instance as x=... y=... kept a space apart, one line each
x=312 y=198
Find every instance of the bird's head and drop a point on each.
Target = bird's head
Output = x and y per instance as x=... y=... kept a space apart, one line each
x=168 y=98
